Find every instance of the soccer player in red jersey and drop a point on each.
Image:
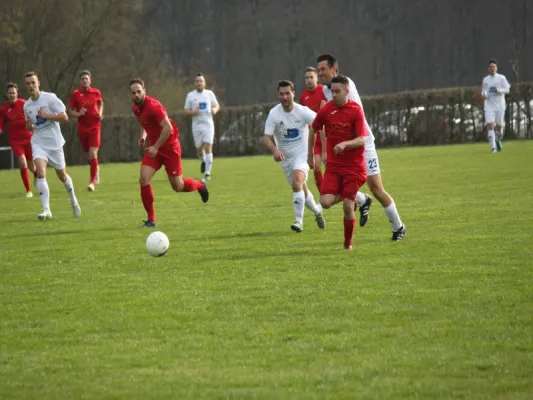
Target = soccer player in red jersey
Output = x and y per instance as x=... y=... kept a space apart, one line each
x=344 y=126
x=164 y=149
x=314 y=98
x=19 y=137
x=87 y=105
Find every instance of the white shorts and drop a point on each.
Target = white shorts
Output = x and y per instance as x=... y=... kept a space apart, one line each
x=289 y=166
x=56 y=158
x=203 y=135
x=371 y=160
x=494 y=115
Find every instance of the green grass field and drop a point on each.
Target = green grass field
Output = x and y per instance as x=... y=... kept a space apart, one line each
x=243 y=308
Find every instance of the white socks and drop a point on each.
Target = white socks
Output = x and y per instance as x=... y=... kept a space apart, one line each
x=208 y=163
x=311 y=204
x=298 y=203
x=492 y=140
x=42 y=186
x=360 y=198
x=393 y=216
x=69 y=186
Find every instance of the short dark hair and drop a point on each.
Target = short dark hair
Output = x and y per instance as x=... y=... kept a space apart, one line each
x=493 y=61
x=286 y=83
x=85 y=72
x=199 y=74
x=327 y=57
x=340 y=79
x=310 y=69
x=11 y=85
x=137 y=80
x=30 y=73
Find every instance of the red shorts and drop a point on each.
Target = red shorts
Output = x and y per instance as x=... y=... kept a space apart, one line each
x=22 y=149
x=89 y=138
x=317 y=149
x=170 y=158
x=344 y=184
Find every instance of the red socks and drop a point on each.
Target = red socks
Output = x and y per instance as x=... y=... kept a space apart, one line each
x=191 y=185
x=25 y=178
x=349 y=226
x=94 y=169
x=318 y=179
x=147 y=196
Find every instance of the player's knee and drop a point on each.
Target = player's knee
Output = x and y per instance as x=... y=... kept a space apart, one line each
x=177 y=186
x=22 y=163
x=325 y=203
x=143 y=181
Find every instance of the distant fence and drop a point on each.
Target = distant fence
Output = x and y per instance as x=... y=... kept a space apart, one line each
x=418 y=118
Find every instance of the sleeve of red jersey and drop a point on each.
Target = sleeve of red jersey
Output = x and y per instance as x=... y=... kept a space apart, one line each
x=318 y=123
x=360 y=126
x=99 y=99
x=159 y=112
x=301 y=99
x=2 y=120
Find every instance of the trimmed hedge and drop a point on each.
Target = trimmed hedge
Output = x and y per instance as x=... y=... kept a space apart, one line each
x=416 y=118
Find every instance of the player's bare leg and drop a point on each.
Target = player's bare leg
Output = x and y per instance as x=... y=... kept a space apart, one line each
x=349 y=222
x=317 y=171
x=329 y=200
x=298 y=199
x=314 y=207
x=201 y=155
x=42 y=187
x=180 y=184
x=92 y=156
x=208 y=158
x=147 y=195
x=23 y=166
x=376 y=187
x=69 y=187
x=492 y=136
x=499 y=136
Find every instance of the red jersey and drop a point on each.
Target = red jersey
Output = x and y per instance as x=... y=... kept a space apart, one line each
x=150 y=115
x=12 y=115
x=89 y=99
x=342 y=124
x=313 y=98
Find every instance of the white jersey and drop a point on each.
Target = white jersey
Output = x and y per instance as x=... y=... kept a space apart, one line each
x=203 y=101
x=290 y=129
x=495 y=99
x=46 y=134
x=353 y=95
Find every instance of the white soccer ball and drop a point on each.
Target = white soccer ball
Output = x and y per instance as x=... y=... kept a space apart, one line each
x=157 y=244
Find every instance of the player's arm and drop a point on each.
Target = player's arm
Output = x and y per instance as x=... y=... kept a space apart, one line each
x=100 y=105
x=316 y=126
x=165 y=133
x=72 y=109
x=268 y=139
x=142 y=140
x=188 y=107
x=215 y=107
x=484 y=89
x=359 y=132
x=505 y=88
x=58 y=111
x=2 y=122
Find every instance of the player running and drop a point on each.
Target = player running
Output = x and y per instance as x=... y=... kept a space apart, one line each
x=343 y=122
x=202 y=104
x=287 y=137
x=43 y=112
x=164 y=149
x=313 y=97
x=19 y=137
x=493 y=90
x=87 y=105
x=327 y=69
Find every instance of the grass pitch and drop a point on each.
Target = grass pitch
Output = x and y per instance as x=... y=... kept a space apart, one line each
x=242 y=307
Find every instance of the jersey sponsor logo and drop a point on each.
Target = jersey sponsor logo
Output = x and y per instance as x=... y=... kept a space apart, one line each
x=202 y=105
x=292 y=133
x=492 y=89
x=40 y=120
x=338 y=126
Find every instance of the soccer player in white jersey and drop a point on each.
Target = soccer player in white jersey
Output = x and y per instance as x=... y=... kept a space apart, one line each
x=202 y=104
x=287 y=137
x=328 y=68
x=493 y=90
x=43 y=112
